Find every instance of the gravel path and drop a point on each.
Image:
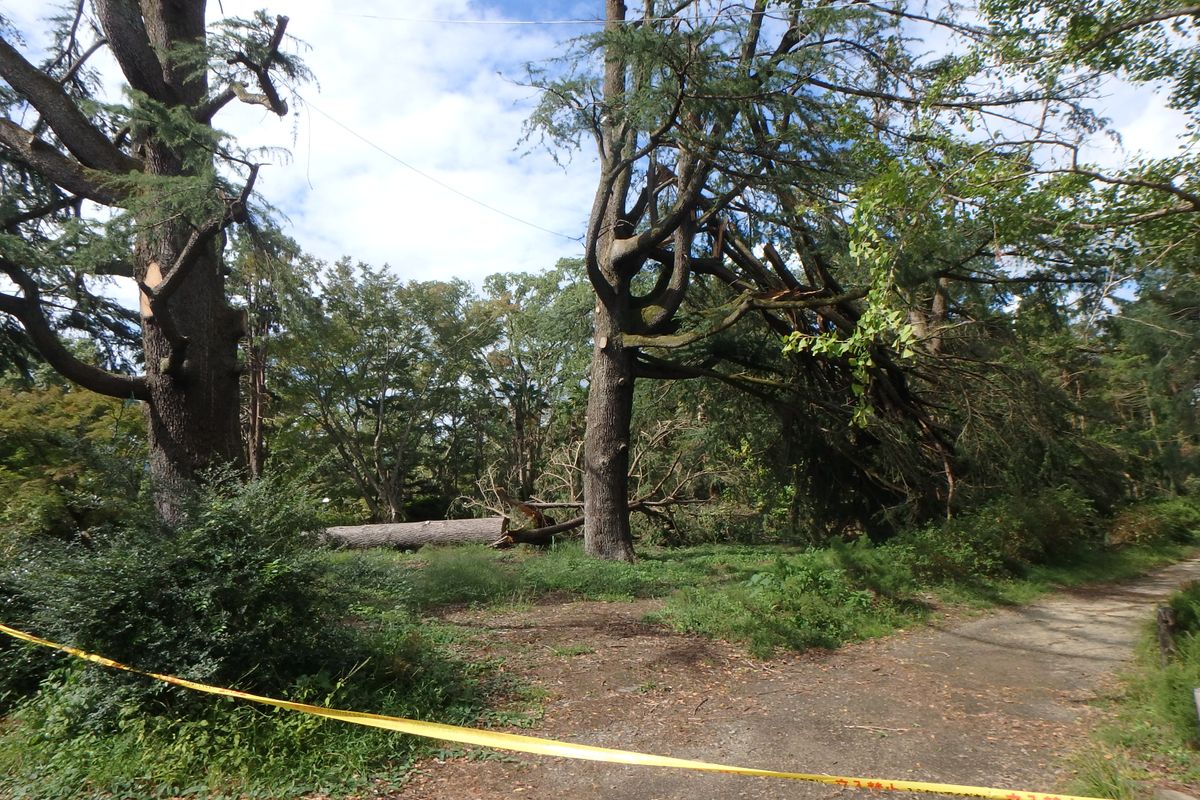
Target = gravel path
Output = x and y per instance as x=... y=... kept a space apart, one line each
x=996 y=700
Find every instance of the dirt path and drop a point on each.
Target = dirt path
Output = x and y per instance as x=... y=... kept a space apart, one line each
x=997 y=700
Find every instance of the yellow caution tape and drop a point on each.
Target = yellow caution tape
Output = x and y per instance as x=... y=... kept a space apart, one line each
x=549 y=747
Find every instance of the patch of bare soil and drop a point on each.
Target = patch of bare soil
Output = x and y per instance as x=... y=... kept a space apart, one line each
x=997 y=700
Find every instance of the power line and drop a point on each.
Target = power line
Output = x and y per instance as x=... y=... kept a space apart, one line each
x=431 y=178
x=723 y=12
x=464 y=21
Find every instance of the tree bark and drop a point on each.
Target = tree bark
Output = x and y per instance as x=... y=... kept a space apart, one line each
x=190 y=333
x=607 y=533
x=491 y=531
x=192 y=371
x=413 y=535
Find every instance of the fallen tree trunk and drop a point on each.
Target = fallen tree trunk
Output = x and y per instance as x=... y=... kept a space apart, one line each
x=413 y=535
x=492 y=531
x=540 y=537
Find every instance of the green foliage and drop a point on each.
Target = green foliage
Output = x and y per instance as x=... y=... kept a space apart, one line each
x=231 y=596
x=1171 y=519
x=1153 y=735
x=222 y=750
x=1186 y=605
x=69 y=462
x=237 y=595
x=802 y=600
x=1003 y=538
x=1151 y=43
x=535 y=369
x=1142 y=40
x=233 y=41
x=379 y=382
x=1150 y=378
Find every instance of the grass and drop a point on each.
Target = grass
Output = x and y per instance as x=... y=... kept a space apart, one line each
x=435 y=578
x=567 y=651
x=1101 y=565
x=796 y=601
x=226 y=748
x=233 y=749
x=765 y=597
x=1152 y=736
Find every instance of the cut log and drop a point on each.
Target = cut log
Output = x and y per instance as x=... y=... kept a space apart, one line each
x=539 y=537
x=413 y=535
x=492 y=531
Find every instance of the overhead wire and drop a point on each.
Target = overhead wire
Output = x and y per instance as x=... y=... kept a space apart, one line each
x=725 y=11
x=431 y=178
x=731 y=11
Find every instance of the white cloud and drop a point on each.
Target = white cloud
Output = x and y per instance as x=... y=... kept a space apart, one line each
x=1140 y=117
x=440 y=97
x=433 y=96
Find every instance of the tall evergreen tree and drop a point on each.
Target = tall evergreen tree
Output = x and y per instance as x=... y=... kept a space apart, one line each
x=143 y=190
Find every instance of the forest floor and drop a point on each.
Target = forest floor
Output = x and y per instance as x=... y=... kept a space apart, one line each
x=990 y=699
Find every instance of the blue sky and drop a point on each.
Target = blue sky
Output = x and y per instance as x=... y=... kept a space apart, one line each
x=443 y=98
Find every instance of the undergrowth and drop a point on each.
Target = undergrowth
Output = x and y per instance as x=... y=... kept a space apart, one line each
x=778 y=597
x=239 y=596
x=1152 y=737
x=236 y=595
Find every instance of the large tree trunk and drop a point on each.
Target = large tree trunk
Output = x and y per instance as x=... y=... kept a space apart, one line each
x=191 y=335
x=193 y=412
x=606 y=531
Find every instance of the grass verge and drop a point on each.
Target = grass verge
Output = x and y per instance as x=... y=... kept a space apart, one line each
x=1152 y=737
x=778 y=597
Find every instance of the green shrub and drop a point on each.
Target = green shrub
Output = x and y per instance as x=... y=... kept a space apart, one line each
x=800 y=601
x=1171 y=519
x=225 y=748
x=22 y=668
x=1186 y=605
x=236 y=595
x=947 y=552
x=876 y=568
x=1001 y=539
x=69 y=462
x=1053 y=524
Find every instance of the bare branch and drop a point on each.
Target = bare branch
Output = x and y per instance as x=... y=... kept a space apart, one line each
x=79 y=62
x=262 y=71
x=1142 y=183
x=1148 y=19
x=11 y=224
